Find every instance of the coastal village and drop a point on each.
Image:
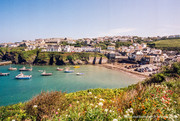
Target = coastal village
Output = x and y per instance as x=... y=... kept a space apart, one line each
x=135 y=58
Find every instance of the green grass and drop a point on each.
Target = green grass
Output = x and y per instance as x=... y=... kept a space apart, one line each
x=168 y=43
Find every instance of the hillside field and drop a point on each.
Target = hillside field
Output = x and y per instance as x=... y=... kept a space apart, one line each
x=168 y=43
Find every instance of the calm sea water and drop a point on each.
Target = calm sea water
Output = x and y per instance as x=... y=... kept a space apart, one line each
x=13 y=91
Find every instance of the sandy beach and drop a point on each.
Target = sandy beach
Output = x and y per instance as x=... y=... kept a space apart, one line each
x=120 y=67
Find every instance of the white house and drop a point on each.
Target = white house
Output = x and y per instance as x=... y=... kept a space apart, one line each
x=111 y=48
x=52 y=48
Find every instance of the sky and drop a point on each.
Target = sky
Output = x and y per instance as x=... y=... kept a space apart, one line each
x=33 y=19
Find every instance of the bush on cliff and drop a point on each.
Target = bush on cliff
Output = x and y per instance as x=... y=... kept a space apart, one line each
x=46 y=104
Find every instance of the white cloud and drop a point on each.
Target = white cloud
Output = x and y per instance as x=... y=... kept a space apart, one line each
x=117 y=31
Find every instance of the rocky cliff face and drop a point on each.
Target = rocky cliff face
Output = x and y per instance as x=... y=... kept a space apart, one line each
x=45 y=58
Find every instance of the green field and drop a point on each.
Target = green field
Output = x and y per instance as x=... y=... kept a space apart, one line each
x=169 y=44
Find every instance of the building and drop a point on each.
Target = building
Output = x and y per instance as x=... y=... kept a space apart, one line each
x=111 y=48
x=52 y=48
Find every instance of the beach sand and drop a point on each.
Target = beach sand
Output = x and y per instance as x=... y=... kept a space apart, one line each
x=131 y=72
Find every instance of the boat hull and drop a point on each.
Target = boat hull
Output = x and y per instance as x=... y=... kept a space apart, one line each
x=46 y=74
x=59 y=69
x=76 y=66
x=23 y=77
x=12 y=69
x=25 y=69
x=68 y=71
x=4 y=74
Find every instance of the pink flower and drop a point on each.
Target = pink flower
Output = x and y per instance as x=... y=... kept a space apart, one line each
x=56 y=113
x=70 y=105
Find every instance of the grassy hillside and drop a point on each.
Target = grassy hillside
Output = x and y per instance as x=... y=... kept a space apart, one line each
x=157 y=98
x=166 y=44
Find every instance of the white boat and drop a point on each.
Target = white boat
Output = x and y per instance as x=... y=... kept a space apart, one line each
x=25 y=69
x=59 y=69
x=22 y=76
x=46 y=74
x=78 y=74
x=12 y=69
x=4 y=74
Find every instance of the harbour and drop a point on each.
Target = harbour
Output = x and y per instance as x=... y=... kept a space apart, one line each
x=84 y=77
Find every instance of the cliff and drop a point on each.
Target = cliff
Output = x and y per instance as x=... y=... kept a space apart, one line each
x=36 y=57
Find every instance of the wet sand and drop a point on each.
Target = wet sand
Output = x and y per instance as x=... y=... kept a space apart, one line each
x=131 y=72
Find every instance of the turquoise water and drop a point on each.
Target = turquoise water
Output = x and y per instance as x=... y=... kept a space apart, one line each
x=13 y=91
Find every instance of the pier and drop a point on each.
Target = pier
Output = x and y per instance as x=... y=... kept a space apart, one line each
x=5 y=63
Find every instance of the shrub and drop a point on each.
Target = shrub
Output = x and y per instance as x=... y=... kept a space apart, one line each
x=46 y=104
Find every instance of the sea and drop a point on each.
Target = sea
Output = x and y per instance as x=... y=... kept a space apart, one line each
x=13 y=91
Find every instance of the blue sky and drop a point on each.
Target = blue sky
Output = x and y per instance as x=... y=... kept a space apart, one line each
x=31 y=19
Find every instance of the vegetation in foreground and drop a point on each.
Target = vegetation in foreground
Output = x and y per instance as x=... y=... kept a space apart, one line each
x=157 y=98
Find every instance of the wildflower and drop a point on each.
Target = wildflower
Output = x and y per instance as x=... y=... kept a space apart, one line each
x=91 y=104
x=58 y=108
x=120 y=117
x=77 y=101
x=95 y=97
x=125 y=116
x=13 y=120
x=101 y=99
x=100 y=104
x=106 y=110
x=139 y=98
x=96 y=106
x=159 y=111
x=90 y=93
x=35 y=106
x=115 y=120
x=175 y=102
x=131 y=112
x=126 y=112
x=175 y=116
x=56 y=113
x=70 y=105
x=143 y=107
x=144 y=112
x=110 y=111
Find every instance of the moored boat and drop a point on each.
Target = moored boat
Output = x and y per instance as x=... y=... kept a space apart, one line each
x=78 y=74
x=4 y=74
x=68 y=71
x=22 y=76
x=46 y=74
x=59 y=69
x=76 y=66
x=25 y=69
x=12 y=69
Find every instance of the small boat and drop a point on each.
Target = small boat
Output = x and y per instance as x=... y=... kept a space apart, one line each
x=12 y=69
x=46 y=74
x=40 y=70
x=78 y=74
x=76 y=66
x=68 y=71
x=25 y=69
x=4 y=74
x=59 y=69
x=22 y=76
